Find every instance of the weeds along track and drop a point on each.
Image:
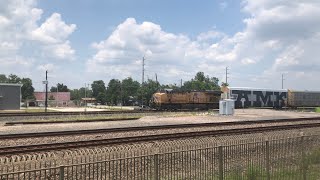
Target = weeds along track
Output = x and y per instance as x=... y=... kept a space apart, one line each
x=255 y=127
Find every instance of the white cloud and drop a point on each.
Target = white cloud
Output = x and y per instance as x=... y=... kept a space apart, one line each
x=27 y=44
x=13 y=62
x=279 y=36
x=166 y=53
x=61 y=51
x=53 y=30
x=248 y=61
x=47 y=67
x=20 y=31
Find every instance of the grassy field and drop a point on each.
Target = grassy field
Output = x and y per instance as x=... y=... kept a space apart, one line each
x=81 y=118
x=318 y=110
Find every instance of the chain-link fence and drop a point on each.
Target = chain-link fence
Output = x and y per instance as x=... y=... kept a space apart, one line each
x=285 y=158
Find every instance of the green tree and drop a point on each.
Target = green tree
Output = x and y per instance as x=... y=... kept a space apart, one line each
x=27 y=90
x=148 y=88
x=101 y=97
x=129 y=91
x=114 y=92
x=99 y=91
x=170 y=86
x=14 y=79
x=200 y=77
x=224 y=84
x=74 y=94
x=3 y=78
x=61 y=88
x=201 y=82
x=77 y=94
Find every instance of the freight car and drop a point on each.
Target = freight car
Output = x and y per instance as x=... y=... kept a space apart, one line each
x=272 y=98
x=172 y=100
x=303 y=99
x=253 y=97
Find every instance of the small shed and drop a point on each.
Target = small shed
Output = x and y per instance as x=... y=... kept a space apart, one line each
x=88 y=100
x=10 y=96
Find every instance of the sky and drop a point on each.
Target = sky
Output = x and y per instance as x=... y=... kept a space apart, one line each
x=86 y=40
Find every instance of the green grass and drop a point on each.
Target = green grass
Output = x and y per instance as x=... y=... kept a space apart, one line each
x=317 y=109
x=313 y=158
x=256 y=173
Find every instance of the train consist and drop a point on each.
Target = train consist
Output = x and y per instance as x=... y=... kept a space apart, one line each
x=171 y=100
x=243 y=97
x=274 y=98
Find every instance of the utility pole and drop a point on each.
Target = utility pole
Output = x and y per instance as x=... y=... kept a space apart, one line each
x=227 y=75
x=142 y=81
x=282 y=79
x=142 y=70
x=157 y=81
x=46 y=100
x=181 y=83
x=57 y=95
x=121 y=95
x=85 y=97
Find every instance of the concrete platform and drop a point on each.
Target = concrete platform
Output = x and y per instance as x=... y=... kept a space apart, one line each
x=240 y=115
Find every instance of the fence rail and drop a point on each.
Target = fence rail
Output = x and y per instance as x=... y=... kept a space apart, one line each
x=291 y=158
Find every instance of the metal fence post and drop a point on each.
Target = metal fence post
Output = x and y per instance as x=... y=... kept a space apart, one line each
x=220 y=152
x=156 y=166
x=61 y=173
x=268 y=159
x=303 y=157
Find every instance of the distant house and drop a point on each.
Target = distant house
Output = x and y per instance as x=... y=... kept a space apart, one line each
x=59 y=99
x=10 y=96
x=88 y=101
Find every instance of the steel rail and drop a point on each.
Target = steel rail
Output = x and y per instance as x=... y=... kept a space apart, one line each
x=137 y=139
x=87 y=113
x=160 y=127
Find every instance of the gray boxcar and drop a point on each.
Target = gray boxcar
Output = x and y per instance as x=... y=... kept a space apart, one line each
x=257 y=97
x=303 y=98
x=10 y=96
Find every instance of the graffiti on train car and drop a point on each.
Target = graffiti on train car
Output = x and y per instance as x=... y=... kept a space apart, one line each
x=247 y=98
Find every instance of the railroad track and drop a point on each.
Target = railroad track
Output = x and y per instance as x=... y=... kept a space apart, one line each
x=141 y=128
x=147 y=138
x=86 y=113
x=67 y=113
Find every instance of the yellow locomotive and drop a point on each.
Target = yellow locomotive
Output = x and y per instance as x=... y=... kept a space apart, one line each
x=173 y=100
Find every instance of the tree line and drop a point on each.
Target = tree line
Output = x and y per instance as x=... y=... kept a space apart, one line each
x=27 y=89
x=125 y=92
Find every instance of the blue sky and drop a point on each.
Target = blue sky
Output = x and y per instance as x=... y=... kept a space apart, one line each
x=82 y=41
